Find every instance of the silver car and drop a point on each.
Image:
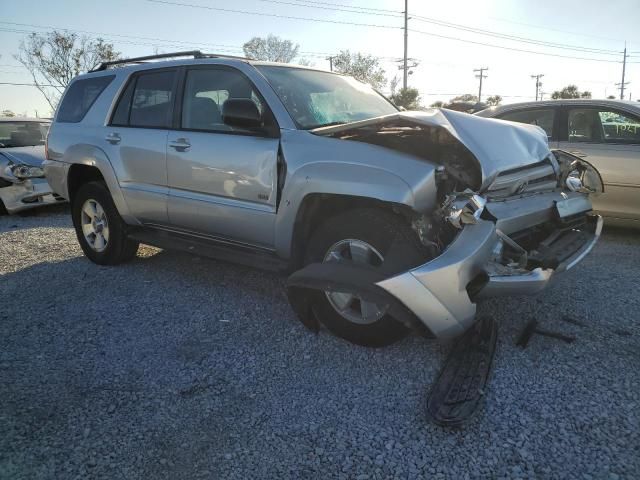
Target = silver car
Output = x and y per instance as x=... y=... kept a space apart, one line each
x=606 y=133
x=22 y=182
x=389 y=220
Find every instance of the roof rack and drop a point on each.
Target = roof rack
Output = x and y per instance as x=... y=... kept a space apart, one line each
x=190 y=53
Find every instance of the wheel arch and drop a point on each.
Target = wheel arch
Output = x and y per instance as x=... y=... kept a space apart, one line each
x=89 y=163
x=317 y=207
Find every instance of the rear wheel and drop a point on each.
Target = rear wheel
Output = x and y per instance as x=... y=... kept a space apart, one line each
x=363 y=237
x=100 y=230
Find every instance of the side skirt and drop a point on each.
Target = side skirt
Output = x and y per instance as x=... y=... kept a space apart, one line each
x=233 y=253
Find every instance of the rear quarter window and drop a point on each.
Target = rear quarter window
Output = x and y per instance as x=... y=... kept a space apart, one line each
x=80 y=97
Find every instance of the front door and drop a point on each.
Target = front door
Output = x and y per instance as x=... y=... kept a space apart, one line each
x=222 y=180
x=610 y=140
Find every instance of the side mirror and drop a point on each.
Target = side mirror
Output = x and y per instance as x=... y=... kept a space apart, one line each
x=241 y=112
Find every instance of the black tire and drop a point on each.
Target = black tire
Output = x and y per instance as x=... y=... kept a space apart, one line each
x=119 y=247
x=381 y=230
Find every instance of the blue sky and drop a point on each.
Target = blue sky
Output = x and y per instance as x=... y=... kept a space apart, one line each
x=446 y=65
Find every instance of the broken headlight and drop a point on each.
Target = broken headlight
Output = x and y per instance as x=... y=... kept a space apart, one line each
x=23 y=172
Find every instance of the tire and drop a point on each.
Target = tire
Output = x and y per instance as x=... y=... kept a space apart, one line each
x=380 y=230
x=117 y=247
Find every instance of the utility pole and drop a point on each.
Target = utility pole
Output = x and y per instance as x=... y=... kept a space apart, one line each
x=406 y=41
x=538 y=83
x=330 y=63
x=481 y=76
x=624 y=65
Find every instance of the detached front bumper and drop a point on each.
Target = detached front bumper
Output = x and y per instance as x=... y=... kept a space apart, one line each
x=442 y=293
x=27 y=194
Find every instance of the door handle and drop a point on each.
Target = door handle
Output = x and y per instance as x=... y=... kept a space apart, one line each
x=180 y=144
x=578 y=153
x=113 y=138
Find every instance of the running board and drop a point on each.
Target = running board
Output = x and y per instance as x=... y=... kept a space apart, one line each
x=457 y=393
x=243 y=255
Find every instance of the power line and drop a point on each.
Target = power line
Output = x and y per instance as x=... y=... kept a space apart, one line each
x=516 y=38
x=510 y=48
x=29 y=84
x=275 y=15
x=342 y=8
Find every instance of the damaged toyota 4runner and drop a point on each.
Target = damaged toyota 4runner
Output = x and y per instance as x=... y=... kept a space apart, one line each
x=386 y=221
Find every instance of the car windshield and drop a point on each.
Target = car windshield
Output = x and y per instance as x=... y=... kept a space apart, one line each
x=317 y=99
x=22 y=133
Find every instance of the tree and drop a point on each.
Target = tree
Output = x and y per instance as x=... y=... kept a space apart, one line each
x=467 y=97
x=494 y=100
x=438 y=104
x=611 y=97
x=7 y=113
x=408 y=98
x=271 y=49
x=55 y=58
x=365 y=68
x=570 y=91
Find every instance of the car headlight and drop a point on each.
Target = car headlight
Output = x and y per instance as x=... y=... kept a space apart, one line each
x=22 y=171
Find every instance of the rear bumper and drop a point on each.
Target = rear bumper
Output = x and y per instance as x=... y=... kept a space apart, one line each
x=441 y=294
x=27 y=194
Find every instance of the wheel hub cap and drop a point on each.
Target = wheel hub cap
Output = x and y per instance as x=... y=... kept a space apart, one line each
x=95 y=226
x=350 y=306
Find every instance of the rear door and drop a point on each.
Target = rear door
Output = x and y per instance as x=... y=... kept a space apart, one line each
x=609 y=139
x=137 y=137
x=222 y=180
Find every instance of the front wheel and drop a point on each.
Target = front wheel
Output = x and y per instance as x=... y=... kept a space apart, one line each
x=363 y=237
x=100 y=230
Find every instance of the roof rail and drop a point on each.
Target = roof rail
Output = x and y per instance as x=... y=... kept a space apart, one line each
x=189 y=53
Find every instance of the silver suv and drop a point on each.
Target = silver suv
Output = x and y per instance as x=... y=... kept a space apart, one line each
x=389 y=220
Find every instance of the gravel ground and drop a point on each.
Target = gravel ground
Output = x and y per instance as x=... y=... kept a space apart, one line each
x=174 y=367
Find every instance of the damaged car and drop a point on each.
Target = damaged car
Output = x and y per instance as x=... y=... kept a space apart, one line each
x=22 y=182
x=385 y=221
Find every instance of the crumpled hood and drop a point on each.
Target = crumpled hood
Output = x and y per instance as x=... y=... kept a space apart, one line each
x=32 y=156
x=497 y=145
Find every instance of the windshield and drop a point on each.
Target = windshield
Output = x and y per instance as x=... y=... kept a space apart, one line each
x=317 y=99
x=23 y=133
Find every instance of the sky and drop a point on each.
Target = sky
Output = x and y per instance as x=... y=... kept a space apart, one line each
x=589 y=38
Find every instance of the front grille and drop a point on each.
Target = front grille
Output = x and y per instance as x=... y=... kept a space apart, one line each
x=530 y=178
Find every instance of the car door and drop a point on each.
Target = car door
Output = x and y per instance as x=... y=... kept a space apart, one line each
x=609 y=139
x=544 y=117
x=136 y=141
x=222 y=179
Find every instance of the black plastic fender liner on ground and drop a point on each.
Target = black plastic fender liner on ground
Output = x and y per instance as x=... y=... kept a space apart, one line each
x=458 y=391
x=343 y=277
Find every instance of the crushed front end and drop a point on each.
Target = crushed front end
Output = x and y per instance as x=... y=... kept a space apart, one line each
x=512 y=239
x=22 y=182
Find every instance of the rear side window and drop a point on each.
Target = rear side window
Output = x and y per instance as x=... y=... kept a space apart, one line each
x=543 y=118
x=147 y=102
x=81 y=95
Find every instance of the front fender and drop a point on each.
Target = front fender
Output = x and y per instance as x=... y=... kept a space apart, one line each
x=334 y=178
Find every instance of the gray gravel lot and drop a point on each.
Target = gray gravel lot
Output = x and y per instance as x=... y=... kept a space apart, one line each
x=174 y=367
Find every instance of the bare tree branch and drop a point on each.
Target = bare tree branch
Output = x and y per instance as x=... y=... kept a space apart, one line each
x=55 y=58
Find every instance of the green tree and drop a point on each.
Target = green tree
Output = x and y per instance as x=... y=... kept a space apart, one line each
x=467 y=97
x=7 y=113
x=271 y=49
x=437 y=104
x=494 y=100
x=408 y=98
x=55 y=58
x=570 y=91
x=365 y=68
